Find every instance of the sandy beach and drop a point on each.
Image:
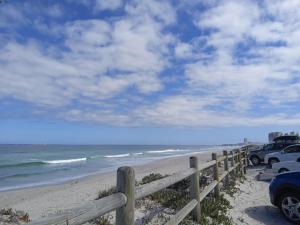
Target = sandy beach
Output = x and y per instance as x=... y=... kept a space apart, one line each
x=251 y=204
x=47 y=200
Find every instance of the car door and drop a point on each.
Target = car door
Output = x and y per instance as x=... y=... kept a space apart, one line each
x=277 y=147
x=269 y=148
x=291 y=153
x=295 y=165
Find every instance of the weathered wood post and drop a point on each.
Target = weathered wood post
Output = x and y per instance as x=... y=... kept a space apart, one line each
x=232 y=162
x=126 y=185
x=245 y=161
x=241 y=170
x=226 y=168
x=195 y=189
x=216 y=174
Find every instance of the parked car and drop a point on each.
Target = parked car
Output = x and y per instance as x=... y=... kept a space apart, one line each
x=257 y=156
x=279 y=143
x=284 y=193
x=290 y=153
x=286 y=166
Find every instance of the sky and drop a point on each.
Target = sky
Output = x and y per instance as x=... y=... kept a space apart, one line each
x=148 y=72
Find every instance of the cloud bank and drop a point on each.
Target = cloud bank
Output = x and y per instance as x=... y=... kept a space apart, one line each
x=153 y=63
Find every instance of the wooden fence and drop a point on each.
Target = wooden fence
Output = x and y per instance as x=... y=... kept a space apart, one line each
x=124 y=200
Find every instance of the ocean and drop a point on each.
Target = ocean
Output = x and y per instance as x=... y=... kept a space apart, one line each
x=24 y=166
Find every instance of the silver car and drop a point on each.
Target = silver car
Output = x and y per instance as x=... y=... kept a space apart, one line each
x=257 y=156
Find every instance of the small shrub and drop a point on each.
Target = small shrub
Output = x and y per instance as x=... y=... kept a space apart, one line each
x=182 y=185
x=216 y=209
x=152 y=177
x=103 y=220
x=170 y=198
x=234 y=178
x=106 y=193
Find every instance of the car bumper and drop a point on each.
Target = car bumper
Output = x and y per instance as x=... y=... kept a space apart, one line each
x=272 y=191
x=272 y=199
x=266 y=160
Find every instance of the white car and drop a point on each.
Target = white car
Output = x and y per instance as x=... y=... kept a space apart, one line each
x=290 y=153
x=286 y=166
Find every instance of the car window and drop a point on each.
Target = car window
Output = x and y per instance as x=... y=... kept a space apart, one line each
x=268 y=147
x=291 y=149
x=298 y=149
x=279 y=146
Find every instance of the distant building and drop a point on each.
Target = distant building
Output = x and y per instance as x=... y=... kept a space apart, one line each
x=274 y=135
x=245 y=141
x=294 y=133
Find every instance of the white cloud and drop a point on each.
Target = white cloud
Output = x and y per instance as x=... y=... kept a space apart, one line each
x=194 y=111
x=162 y=11
x=102 y=116
x=100 y=60
x=108 y=4
x=266 y=73
x=232 y=19
x=243 y=58
x=183 y=50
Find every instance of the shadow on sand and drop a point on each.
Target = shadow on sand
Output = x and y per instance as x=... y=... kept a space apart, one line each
x=268 y=215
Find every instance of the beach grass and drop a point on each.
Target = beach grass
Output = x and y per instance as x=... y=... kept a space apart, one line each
x=214 y=211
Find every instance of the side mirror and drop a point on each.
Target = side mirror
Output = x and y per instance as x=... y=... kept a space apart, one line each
x=282 y=152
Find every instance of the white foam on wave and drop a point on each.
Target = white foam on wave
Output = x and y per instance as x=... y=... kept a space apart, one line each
x=64 y=161
x=117 y=156
x=166 y=150
x=137 y=153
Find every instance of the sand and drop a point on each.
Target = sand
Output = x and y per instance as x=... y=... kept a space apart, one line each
x=252 y=206
x=47 y=200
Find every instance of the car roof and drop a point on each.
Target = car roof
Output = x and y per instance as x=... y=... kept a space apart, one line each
x=287 y=138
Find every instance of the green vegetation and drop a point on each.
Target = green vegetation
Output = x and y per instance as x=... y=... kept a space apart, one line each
x=232 y=188
x=151 y=177
x=214 y=211
x=105 y=193
x=103 y=220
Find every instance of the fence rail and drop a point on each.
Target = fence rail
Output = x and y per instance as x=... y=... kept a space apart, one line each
x=124 y=200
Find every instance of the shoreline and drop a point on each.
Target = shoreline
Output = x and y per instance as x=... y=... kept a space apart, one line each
x=51 y=199
x=99 y=172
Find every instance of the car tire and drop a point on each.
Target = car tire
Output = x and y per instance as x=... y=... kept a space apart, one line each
x=255 y=160
x=272 y=161
x=289 y=204
x=283 y=170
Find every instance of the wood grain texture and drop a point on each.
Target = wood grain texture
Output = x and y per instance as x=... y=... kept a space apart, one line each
x=85 y=213
x=195 y=189
x=181 y=214
x=126 y=185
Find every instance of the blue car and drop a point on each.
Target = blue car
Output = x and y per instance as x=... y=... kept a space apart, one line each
x=285 y=194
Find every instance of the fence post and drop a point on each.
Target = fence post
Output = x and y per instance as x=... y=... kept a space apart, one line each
x=245 y=162
x=232 y=161
x=126 y=185
x=195 y=189
x=216 y=175
x=226 y=168
x=241 y=170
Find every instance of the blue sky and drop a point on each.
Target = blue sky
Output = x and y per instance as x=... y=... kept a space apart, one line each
x=148 y=72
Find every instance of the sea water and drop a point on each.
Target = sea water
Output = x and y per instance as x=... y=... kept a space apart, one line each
x=32 y=165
